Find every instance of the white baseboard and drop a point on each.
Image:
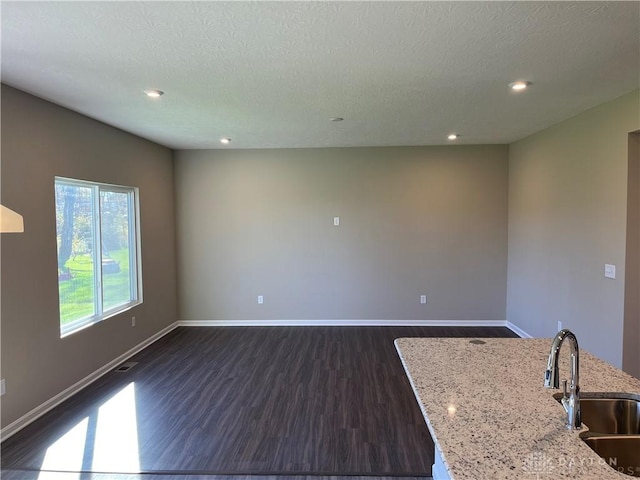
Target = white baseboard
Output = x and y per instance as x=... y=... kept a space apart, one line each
x=40 y=410
x=517 y=330
x=343 y=323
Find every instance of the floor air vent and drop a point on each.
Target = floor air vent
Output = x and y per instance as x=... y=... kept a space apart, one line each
x=125 y=367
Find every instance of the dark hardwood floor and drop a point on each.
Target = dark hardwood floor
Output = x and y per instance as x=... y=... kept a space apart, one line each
x=243 y=401
x=32 y=475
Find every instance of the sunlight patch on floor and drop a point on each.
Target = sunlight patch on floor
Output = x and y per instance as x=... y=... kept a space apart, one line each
x=116 y=442
x=112 y=446
x=67 y=453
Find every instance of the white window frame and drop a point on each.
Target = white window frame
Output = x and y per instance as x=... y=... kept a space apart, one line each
x=134 y=254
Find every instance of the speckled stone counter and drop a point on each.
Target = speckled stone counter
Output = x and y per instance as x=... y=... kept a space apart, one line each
x=491 y=416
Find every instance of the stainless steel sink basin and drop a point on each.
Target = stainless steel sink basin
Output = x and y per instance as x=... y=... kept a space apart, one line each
x=610 y=413
x=620 y=452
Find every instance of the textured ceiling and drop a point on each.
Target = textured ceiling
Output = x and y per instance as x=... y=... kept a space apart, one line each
x=271 y=74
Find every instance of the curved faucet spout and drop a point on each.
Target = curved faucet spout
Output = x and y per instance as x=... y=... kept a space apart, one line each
x=571 y=399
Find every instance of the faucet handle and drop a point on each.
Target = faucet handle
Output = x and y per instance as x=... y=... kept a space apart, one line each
x=564 y=389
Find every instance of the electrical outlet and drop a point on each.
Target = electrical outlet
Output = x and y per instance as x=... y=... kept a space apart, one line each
x=423 y=299
x=559 y=325
x=609 y=271
x=260 y=299
x=3 y=388
x=133 y=322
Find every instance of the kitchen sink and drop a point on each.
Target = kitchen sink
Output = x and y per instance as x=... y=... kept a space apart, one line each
x=613 y=422
x=620 y=452
x=610 y=413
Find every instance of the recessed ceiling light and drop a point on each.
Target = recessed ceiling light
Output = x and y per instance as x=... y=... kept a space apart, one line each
x=453 y=136
x=225 y=140
x=154 y=93
x=336 y=119
x=519 y=85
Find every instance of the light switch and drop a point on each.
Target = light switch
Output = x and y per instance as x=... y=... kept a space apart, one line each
x=610 y=271
x=336 y=221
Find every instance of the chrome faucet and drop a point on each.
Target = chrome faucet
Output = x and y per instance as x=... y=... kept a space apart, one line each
x=571 y=399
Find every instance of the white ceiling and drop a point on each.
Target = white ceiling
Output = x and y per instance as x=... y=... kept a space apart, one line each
x=271 y=74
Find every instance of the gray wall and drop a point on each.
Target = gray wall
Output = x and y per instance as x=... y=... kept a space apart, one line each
x=39 y=141
x=414 y=220
x=567 y=218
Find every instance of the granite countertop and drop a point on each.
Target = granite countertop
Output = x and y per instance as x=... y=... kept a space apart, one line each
x=490 y=415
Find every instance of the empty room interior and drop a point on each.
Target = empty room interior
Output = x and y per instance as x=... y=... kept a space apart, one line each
x=320 y=240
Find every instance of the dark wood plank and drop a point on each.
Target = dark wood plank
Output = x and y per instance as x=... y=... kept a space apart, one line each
x=256 y=400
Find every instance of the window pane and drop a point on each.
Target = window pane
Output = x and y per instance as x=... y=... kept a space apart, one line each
x=75 y=236
x=97 y=244
x=116 y=249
